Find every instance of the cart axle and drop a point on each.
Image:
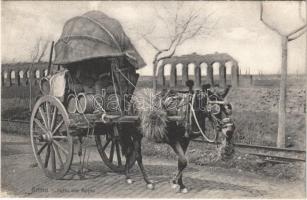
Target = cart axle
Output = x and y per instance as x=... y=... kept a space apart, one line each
x=47 y=137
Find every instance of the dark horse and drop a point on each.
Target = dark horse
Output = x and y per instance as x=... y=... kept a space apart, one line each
x=177 y=136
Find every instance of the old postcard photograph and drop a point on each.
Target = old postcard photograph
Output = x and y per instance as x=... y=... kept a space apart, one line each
x=153 y=99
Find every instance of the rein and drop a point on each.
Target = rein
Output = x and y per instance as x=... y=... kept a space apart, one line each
x=192 y=113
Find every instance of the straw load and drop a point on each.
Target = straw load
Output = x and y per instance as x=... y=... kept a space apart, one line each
x=153 y=110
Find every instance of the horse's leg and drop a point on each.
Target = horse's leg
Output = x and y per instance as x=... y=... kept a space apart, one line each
x=138 y=150
x=182 y=163
x=126 y=142
x=128 y=161
x=184 y=144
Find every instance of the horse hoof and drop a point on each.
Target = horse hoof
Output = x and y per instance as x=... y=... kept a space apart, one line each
x=184 y=190
x=129 y=181
x=174 y=186
x=177 y=189
x=150 y=186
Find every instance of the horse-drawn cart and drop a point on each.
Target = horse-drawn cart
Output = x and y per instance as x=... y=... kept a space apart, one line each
x=87 y=95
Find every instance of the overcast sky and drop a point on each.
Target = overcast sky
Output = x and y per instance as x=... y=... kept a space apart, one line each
x=237 y=31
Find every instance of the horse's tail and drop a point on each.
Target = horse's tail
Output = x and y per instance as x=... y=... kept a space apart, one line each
x=152 y=116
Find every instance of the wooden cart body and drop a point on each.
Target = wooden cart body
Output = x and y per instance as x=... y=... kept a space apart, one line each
x=91 y=39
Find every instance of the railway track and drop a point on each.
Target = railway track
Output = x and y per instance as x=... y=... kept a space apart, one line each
x=16 y=121
x=267 y=153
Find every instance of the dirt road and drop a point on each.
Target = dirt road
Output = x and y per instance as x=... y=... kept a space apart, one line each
x=21 y=177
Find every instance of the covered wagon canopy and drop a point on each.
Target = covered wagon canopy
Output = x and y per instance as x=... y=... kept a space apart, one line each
x=94 y=35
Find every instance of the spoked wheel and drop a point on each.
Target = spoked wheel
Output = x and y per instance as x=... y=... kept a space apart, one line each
x=51 y=142
x=109 y=148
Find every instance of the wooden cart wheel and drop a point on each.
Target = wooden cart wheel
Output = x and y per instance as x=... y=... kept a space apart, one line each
x=109 y=148
x=51 y=142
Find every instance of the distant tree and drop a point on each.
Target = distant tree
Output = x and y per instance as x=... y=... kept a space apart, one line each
x=285 y=38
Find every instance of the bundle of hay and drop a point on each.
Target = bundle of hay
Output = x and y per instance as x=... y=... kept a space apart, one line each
x=153 y=116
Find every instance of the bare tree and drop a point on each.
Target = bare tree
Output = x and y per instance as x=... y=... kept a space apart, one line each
x=36 y=55
x=285 y=38
x=180 y=25
x=35 y=51
x=39 y=50
x=43 y=51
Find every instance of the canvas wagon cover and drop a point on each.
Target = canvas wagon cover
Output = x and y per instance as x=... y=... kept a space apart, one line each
x=94 y=35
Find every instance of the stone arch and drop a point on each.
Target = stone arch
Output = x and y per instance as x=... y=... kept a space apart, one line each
x=217 y=67
x=22 y=77
x=191 y=68
x=28 y=76
x=228 y=66
x=204 y=68
x=37 y=73
x=204 y=71
x=163 y=72
x=197 y=76
x=179 y=69
x=21 y=74
x=13 y=74
x=13 y=77
x=45 y=73
x=167 y=69
x=4 y=76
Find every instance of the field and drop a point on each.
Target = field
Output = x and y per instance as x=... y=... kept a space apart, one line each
x=255 y=115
